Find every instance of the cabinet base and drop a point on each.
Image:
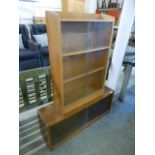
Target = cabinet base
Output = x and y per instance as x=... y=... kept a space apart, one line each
x=57 y=128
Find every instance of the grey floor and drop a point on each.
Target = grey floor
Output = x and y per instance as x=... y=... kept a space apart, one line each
x=111 y=135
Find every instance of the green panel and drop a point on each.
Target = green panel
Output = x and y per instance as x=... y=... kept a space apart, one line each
x=35 y=74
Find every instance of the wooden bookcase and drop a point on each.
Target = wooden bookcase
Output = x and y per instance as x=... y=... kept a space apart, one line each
x=79 y=50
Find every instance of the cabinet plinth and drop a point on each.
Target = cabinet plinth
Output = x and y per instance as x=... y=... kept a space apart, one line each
x=57 y=128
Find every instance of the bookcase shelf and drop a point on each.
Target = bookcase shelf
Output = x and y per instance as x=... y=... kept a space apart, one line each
x=84 y=64
x=85 y=51
x=83 y=75
x=84 y=85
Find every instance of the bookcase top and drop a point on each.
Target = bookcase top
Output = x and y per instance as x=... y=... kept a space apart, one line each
x=82 y=17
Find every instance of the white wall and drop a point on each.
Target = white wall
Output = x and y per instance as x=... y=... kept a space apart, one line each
x=27 y=10
x=126 y=21
x=91 y=6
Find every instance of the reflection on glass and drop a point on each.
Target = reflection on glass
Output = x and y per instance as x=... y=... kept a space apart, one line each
x=85 y=47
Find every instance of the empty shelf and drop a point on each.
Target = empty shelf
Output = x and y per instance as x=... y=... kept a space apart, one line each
x=84 y=51
x=86 y=74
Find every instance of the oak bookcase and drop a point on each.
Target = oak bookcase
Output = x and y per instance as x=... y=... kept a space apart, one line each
x=79 y=50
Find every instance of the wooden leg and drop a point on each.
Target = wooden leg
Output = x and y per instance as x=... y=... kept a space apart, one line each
x=127 y=73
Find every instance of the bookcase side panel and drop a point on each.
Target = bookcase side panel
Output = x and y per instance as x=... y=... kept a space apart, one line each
x=110 y=33
x=55 y=56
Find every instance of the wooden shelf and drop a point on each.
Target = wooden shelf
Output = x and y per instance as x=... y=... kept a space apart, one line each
x=83 y=75
x=81 y=94
x=85 y=51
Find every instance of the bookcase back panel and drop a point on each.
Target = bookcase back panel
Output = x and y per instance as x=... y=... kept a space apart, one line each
x=74 y=90
x=84 y=65
x=77 y=66
x=96 y=60
x=74 y=27
x=85 y=35
x=99 y=34
x=74 y=66
x=84 y=86
x=94 y=82
x=73 y=42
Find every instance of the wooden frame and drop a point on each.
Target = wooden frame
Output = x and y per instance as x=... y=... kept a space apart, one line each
x=79 y=50
x=73 y=5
